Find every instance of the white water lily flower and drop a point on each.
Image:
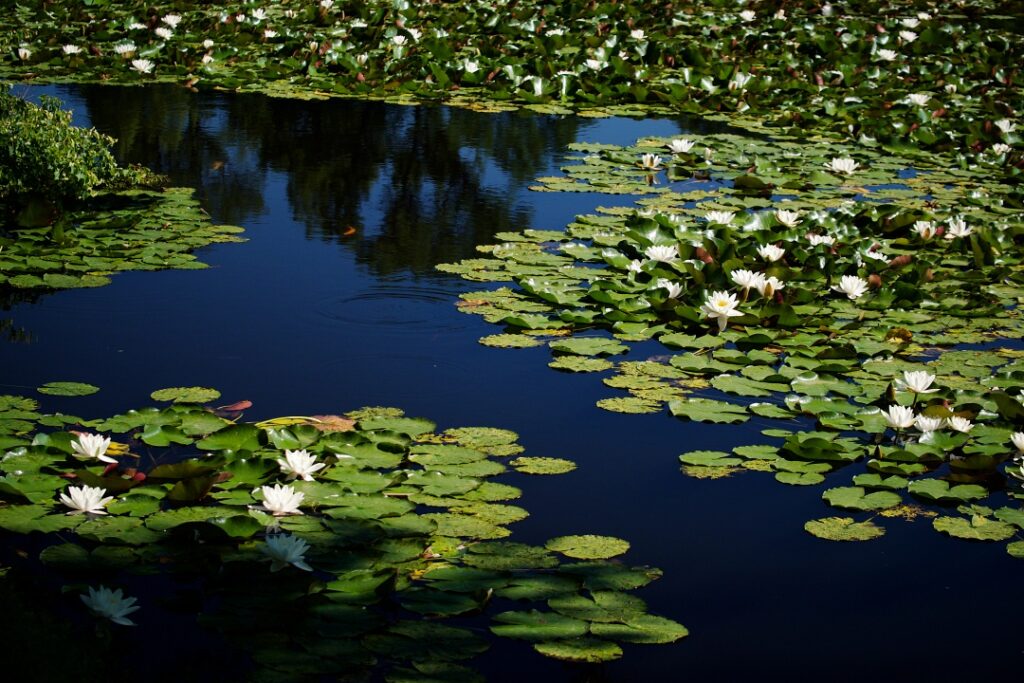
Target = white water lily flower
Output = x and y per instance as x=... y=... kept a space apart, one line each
x=852 y=286
x=918 y=381
x=637 y=34
x=674 y=288
x=841 y=165
x=470 y=67
x=143 y=66
x=874 y=255
x=908 y=36
x=207 y=44
x=950 y=88
x=919 y=98
x=957 y=227
x=85 y=499
x=71 y=49
x=125 y=49
x=635 y=266
x=300 y=464
x=283 y=550
x=269 y=33
x=960 y=424
x=899 y=417
x=258 y=15
x=926 y=425
x=815 y=240
x=206 y=59
x=769 y=285
x=788 y=218
x=926 y=229
x=747 y=279
x=137 y=26
x=1018 y=441
x=399 y=40
x=282 y=500
x=666 y=253
x=652 y=162
x=92 y=447
x=887 y=55
x=171 y=20
x=594 y=64
x=163 y=33
x=910 y=22
x=24 y=54
x=739 y=81
x=748 y=15
x=327 y=4
x=681 y=145
x=770 y=252
x=1006 y=126
x=721 y=217
x=110 y=604
x=721 y=306
x=998 y=148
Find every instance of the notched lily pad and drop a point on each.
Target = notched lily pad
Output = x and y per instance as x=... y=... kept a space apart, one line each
x=186 y=394
x=67 y=389
x=843 y=529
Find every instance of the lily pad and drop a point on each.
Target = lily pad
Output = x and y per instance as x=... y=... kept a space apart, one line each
x=67 y=389
x=843 y=529
x=588 y=547
x=186 y=395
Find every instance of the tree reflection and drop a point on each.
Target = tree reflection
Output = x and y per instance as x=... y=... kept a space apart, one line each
x=406 y=187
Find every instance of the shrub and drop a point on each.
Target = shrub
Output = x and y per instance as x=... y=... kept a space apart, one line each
x=46 y=160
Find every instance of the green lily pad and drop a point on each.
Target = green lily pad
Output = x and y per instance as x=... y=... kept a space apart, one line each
x=977 y=528
x=537 y=625
x=541 y=465
x=186 y=395
x=587 y=650
x=843 y=529
x=67 y=389
x=588 y=546
x=857 y=498
x=645 y=629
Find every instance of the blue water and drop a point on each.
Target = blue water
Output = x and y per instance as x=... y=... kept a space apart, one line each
x=303 y=319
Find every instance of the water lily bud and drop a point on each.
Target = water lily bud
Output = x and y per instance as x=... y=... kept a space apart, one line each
x=703 y=255
x=901 y=261
x=874 y=281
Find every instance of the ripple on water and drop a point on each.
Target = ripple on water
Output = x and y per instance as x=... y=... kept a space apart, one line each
x=393 y=307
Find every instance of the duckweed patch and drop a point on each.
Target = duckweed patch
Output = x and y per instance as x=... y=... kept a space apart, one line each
x=352 y=535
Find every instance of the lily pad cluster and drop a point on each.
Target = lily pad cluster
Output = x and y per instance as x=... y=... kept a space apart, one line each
x=350 y=528
x=872 y=69
x=795 y=288
x=139 y=229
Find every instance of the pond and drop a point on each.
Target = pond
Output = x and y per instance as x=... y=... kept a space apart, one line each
x=334 y=303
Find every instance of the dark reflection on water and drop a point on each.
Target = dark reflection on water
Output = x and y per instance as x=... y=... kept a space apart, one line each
x=414 y=186
x=303 y=319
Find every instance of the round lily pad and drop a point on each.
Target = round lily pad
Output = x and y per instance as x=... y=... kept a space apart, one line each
x=588 y=546
x=186 y=394
x=580 y=364
x=510 y=341
x=67 y=389
x=977 y=528
x=589 y=650
x=843 y=529
x=538 y=465
x=629 y=404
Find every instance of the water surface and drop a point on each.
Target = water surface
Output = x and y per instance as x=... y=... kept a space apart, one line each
x=334 y=303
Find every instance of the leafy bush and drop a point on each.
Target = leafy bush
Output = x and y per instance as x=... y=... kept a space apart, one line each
x=43 y=158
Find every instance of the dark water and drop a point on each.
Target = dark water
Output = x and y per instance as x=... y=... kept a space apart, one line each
x=303 y=319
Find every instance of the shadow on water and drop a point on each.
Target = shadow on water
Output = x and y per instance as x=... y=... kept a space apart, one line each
x=306 y=319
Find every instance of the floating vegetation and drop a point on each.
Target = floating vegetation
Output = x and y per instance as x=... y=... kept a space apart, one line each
x=353 y=528
x=870 y=70
x=787 y=280
x=129 y=230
